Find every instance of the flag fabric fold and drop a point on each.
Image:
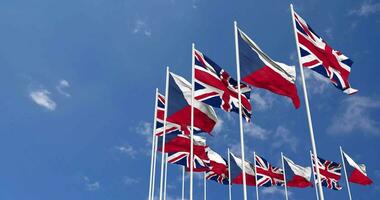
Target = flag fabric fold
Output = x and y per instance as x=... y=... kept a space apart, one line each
x=317 y=55
x=170 y=127
x=356 y=173
x=259 y=70
x=179 y=108
x=236 y=168
x=267 y=174
x=218 y=168
x=215 y=87
x=296 y=175
x=330 y=173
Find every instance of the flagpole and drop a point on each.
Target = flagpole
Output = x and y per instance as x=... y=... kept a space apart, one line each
x=240 y=111
x=164 y=133
x=166 y=175
x=204 y=186
x=312 y=169
x=283 y=167
x=183 y=183
x=345 y=173
x=314 y=148
x=153 y=148
x=192 y=122
x=257 y=186
x=229 y=176
x=154 y=167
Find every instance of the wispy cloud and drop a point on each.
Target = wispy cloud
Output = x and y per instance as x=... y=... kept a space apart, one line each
x=127 y=149
x=262 y=100
x=41 y=97
x=218 y=126
x=63 y=84
x=256 y=131
x=283 y=137
x=130 y=181
x=316 y=83
x=91 y=186
x=145 y=129
x=274 y=191
x=141 y=27
x=366 y=8
x=355 y=114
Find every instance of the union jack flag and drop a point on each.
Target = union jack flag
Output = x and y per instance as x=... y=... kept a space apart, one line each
x=170 y=127
x=218 y=168
x=215 y=87
x=268 y=175
x=220 y=178
x=200 y=163
x=330 y=173
x=317 y=55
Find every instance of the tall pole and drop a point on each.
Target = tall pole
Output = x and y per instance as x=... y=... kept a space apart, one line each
x=151 y=189
x=345 y=173
x=154 y=167
x=312 y=169
x=240 y=110
x=204 y=186
x=283 y=167
x=166 y=175
x=229 y=176
x=257 y=186
x=164 y=133
x=183 y=182
x=192 y=121
x=314 y=148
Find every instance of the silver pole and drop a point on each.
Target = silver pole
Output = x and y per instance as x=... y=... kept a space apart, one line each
x=164 y=133
x=204 y=186
x=314 y=148
x=166 y=175
x=151 y=189
x=229 y=176
x=345 y=174
x=283 y=167
x=154 y=167
x=312 y=169
x=257 y=186
x=240 y=110
x=192 y=122
x=183 y=183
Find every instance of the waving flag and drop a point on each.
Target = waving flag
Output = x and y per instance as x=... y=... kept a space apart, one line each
x=330 y=173
x=236 y=166
x=170 y=127
x=267 y=175
x=261 y=71
x=218 y=168
x=179 y=108
x=356 y=173
x=215 y=87
x=317 y=55
x=296 y=175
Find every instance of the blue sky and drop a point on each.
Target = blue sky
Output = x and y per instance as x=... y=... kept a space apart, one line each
x=78 y=80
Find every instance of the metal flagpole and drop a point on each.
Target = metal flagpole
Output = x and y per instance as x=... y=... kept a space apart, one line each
x=257 y=186
x=154 y=167
x=183 y=183
x=345 y=173
x=312 y=169
x=229 y=176
x=240 y=111
x=314 y=148
x=283 y=168
x=192 y=122
x=166 y=175
x=204 y=186
x=153 y=148
x=164 y=133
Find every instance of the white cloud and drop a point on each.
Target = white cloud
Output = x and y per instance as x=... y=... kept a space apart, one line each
x=315 y=82
x=41 y=98
x=218 y=126
x=274 y=191
x=367 y=8
x=61 y=86
x=127 y=149
x=141 y=27
x=262 y=100
x=91 y=186
x=145 y=129
x=130 y=181
x=283 y=137
x=255 y=131
x=355 y=114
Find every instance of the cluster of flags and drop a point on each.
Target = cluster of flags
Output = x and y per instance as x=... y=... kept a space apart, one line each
x=187 y=110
